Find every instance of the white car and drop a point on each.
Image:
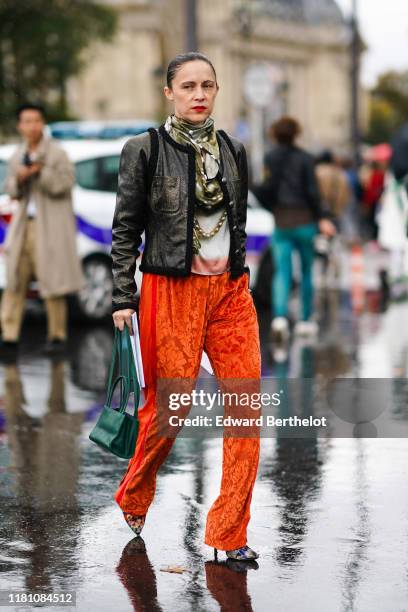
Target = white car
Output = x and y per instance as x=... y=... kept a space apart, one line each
x=96 y=165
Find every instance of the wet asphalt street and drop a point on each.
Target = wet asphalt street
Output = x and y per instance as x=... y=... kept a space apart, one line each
x=329 y=515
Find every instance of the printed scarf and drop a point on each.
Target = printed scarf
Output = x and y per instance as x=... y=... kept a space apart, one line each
x=203 y=139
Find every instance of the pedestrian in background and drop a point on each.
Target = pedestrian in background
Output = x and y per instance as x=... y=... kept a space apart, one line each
x=291 y=192
x=351 y=224
x=41 y=240
x=335 y=197
x=372 y=177
x=399 y=159
x=333 y=186
x=392 y=220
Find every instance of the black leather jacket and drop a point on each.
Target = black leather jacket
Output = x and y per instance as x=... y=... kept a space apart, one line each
x=290 y=181
x=156 y=195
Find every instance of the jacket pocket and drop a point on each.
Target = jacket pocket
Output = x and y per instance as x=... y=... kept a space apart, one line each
x=166 y=194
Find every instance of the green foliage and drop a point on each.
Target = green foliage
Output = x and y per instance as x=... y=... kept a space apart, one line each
x=41 y=46
x=388 y=106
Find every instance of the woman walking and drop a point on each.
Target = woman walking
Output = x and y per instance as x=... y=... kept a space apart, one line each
x=291 y=192
x=185 y=185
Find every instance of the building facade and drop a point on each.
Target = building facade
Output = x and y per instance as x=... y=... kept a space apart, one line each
x=304 y=43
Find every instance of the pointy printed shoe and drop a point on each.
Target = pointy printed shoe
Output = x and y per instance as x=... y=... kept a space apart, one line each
x=242 y=554
x=136 y=523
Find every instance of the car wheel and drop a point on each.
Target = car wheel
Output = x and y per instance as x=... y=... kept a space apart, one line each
x=94 y=301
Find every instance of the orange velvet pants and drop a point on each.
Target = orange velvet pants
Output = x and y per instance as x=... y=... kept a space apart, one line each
x=179 y=317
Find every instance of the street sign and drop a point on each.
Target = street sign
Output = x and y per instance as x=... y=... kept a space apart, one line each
x=259 y=88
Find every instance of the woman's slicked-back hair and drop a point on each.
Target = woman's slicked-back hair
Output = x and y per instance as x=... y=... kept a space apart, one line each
x=183 y=58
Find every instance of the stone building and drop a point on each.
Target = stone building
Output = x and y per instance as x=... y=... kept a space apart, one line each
x=304 y=42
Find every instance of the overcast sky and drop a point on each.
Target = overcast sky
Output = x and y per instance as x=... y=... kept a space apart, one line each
x=384 y=25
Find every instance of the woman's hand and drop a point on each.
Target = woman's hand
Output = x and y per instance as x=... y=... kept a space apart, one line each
x=122 y=318
x=327 y=228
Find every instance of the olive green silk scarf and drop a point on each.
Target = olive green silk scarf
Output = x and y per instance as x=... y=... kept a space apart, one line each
x=202 y=138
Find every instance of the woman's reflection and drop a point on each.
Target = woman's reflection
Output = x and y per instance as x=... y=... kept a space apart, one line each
x=138 y=577
x=227 y=583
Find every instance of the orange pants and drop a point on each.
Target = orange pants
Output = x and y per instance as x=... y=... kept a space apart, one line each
x=179 y=317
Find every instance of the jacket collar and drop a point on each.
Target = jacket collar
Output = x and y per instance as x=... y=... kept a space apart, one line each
x=187 y=148
x=41 y=149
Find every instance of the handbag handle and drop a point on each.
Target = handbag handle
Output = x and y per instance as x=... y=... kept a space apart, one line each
x=124 y=395
x=123 y=353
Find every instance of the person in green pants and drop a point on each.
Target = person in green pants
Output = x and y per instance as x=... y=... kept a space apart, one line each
x=283 y=242
x=291 y=192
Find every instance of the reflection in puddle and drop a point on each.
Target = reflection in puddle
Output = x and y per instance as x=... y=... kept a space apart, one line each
x=326 y=513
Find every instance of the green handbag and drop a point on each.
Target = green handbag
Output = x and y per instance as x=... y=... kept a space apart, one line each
x=116 y=430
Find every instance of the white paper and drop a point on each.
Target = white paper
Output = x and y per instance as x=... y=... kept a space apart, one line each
x=137 y=352
x=205 y=363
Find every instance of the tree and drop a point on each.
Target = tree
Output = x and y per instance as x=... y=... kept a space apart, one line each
x=41 y=47
x=388 y=106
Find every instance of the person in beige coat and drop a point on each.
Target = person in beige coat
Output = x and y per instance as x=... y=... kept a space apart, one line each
x=333 y=185
x=41 y=240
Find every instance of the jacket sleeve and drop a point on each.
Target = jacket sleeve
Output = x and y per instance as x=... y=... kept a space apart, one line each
x=57 y=176
x=243 y=204
x=128 y=223
x=11 y=185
